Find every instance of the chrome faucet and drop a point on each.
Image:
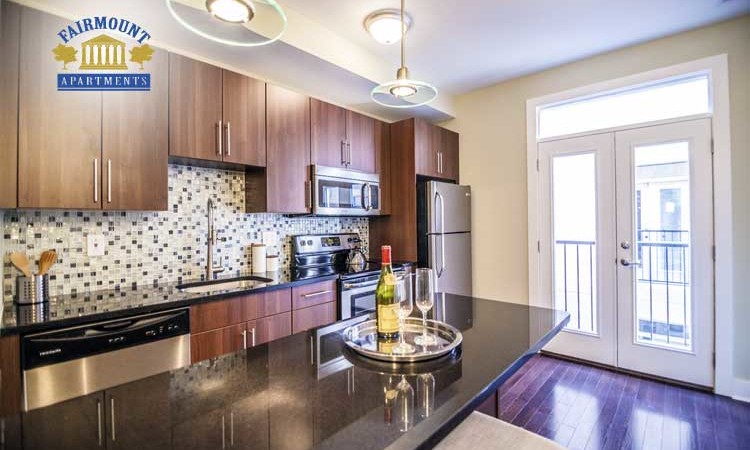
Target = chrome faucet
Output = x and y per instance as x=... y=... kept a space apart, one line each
x=211 y=270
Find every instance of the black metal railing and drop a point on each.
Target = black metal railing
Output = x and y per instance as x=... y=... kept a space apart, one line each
x=577 y=276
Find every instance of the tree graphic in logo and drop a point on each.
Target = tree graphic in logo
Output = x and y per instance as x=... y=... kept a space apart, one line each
x=65 y=54
x=141 y=54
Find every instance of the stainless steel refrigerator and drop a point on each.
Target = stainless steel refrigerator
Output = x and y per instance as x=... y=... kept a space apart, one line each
x=444 y=234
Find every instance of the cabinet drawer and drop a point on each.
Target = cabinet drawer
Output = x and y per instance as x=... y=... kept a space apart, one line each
x=210 y=316
x=271 y=328
x=267 y=304
x=314 y=316
x=217 y=342
x=313 y=294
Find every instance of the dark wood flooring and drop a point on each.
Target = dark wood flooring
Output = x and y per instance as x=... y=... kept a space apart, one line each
x=583 y=407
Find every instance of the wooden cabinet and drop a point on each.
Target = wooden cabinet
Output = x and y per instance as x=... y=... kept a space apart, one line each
x=449 y=155
x=284 y=187
x=342 y=138
x=383 y=164
x=313 y=294
x=10 y=35
x=132 y=413
x=436 y=151
x=10 y=375
x=135 y=144
x=59 y=132
x=204 y=431
x=313 y=317
x=195 y=109
x=210 y=344
x=76 y=424
x=244 y=115
x=273 y=327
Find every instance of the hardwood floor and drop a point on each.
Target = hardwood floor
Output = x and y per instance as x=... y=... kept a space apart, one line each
x=583 y=407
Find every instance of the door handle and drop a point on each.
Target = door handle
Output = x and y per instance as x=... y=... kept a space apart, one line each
x=438 y=196
x=96 y=180
x=112 y=411
x=219 y=132
x=629 y=263
x=252 y=336
x=369 y=196
x=349 y=153
x=244 y=339
x=229 y=139
x=315 y=294
x=99 y=421
x=343 y=152
x=109 y=181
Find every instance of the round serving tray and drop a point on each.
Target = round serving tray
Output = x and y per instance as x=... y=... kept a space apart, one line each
x=363 y=339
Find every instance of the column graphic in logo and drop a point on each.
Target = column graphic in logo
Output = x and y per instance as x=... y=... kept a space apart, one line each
x=101 y=62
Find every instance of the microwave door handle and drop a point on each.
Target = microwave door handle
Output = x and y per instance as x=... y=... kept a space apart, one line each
x=363 y=197
x=369 y=196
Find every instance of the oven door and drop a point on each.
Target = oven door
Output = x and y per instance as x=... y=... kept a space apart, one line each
x=340 y=192
x=357 y=297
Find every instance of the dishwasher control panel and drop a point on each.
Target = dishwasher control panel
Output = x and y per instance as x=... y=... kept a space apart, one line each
x=81 y=341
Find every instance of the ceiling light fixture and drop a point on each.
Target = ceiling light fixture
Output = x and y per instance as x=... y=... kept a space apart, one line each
x=403 y=92
x=232 y=11
x=243 y=23
x=385 y=25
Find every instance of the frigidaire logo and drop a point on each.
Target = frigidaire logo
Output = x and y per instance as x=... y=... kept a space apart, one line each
x=100 y=62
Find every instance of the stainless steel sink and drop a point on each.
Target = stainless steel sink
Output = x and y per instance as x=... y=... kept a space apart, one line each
x=202 y=287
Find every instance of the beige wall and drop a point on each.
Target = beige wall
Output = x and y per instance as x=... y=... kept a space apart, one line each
x=492 y=123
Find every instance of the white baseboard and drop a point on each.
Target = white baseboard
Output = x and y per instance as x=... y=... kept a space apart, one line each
x=741 y=390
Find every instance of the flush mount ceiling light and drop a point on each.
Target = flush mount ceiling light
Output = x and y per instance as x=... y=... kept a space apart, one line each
x=385 y=25
x=244 y=23
x=403 y=92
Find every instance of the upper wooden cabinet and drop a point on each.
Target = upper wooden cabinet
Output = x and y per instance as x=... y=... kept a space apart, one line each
x=10 y=35
x=342 y=138
x=215 y=114
x=383 y=163
x=134 y=144
x=436 y=151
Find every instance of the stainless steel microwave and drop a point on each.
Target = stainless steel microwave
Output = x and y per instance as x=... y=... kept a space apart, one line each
x=342 y=192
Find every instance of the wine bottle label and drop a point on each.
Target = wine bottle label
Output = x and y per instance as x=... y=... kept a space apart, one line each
x=388 y=318
x=390 y=279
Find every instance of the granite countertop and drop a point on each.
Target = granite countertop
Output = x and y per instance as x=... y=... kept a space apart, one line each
x=309 y=391
x=91 y=306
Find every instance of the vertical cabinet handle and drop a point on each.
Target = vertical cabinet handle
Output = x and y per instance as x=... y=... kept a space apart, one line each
x=252 y=335
x=244 y=339
x=349 y=154
x=219 y=132
x=229 y=140
x=343 y=152
x=109 y=181
x=231 y=428
x=99 y=422
x=223 y=433
x=96 y=180
x=114 y=422
x=312 y=352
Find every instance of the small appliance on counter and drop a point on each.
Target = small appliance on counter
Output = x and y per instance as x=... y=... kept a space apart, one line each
x=317 y=255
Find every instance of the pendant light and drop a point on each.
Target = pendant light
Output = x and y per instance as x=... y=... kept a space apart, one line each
x=243 y=23
x=403 y=92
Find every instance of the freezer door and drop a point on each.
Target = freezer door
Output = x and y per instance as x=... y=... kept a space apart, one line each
x=449 y=208
x=450 y=258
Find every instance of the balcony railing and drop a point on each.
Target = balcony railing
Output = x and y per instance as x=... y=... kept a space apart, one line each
x=578 y=282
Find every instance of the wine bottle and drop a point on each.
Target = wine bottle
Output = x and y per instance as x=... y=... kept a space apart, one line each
x=385 y=298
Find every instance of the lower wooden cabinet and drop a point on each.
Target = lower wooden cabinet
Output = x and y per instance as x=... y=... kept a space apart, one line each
x=204 y=431
x=10 y=375
x=273 y=327
x=217 y=342
x=314 y=316
x=133 y=411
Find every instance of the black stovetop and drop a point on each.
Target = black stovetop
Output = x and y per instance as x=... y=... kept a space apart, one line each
x=344 y=271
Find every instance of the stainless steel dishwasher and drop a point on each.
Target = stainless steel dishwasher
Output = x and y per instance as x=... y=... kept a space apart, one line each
x=63 y=364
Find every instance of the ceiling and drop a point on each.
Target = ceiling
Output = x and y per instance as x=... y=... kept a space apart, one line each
x=456 y=45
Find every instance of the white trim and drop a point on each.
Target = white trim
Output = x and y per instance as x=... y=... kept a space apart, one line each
x=717 y=67
x=741 y=390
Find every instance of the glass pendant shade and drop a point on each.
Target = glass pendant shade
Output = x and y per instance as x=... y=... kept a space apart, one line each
x=243 y=23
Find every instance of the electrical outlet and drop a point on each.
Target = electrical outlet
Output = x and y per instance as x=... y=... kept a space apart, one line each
x=270 y=238
x=95 y=245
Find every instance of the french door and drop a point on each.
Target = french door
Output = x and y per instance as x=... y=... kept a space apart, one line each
x=626 y=240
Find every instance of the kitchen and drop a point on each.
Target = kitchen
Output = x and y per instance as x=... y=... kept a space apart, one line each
x=209 y=241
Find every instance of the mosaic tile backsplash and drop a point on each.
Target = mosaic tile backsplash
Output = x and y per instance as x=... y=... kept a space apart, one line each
x=145 y=248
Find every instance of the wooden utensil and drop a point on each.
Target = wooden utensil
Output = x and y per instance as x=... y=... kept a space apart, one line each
x=21 y=262
x=46 y=261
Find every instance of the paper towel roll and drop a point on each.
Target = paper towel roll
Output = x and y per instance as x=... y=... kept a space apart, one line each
x=259 y=258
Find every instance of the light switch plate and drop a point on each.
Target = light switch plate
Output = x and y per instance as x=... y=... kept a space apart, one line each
x=95 y=245
x=270 y=238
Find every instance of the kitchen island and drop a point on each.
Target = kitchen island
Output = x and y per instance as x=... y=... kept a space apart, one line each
x=303 y=391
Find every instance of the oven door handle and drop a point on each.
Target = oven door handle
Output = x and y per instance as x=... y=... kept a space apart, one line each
x=360 y=285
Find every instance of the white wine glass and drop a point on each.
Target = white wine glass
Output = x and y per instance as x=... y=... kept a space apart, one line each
x=405 y=299
x=425 y=299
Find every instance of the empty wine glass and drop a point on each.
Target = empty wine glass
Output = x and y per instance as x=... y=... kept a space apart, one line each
x=425 y=299
x=403 y=294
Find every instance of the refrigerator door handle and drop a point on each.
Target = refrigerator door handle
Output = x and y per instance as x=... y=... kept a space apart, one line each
x=438 y=196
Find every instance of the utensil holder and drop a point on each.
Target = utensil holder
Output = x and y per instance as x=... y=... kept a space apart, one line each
x=33 y=289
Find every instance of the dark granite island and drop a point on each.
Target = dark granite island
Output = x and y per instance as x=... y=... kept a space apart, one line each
x=303 y=391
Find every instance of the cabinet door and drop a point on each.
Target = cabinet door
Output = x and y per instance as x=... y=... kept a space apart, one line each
x=59 y=132
x=205 y=431
x=135 y=143
x=217 y=342
x=383 y=164
x=288 y=151
x=313 y=294
x=77 y=424
x=10 y=34
x=361 y=134
x=328 y=128
x=426 y=160
x=195 y=90
x=244 y=117
x=271 y=328
x=449 y=151
x=137 y=415
x=289 y=367
x=314 y=316
x=10 y=432
x=10 y=375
